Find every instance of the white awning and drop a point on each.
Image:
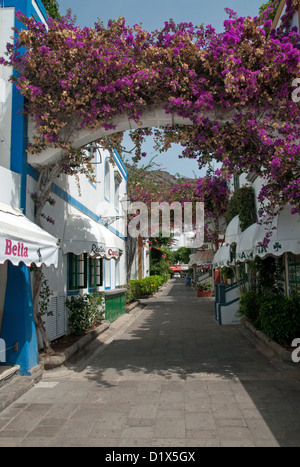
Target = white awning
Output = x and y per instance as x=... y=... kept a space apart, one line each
x=285 y=237
x=233 y=231
x=192 y=260
x=23 y=241
x=200 y=258
x=222 y=257
x=84 y=235
x=245 y=244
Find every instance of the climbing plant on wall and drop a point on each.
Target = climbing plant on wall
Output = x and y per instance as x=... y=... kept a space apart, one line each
x=235 y=87
x=52 y=8
x=242 y=204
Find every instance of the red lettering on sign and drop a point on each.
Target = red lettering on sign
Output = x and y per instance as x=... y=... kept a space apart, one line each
x=113 y=253
x=8 y=247
x=16 y=250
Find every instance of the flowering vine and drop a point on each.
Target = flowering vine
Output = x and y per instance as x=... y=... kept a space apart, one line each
x=234 y=86
x=212 y=190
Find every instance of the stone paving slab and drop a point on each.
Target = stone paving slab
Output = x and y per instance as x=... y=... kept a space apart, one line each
x=167 y=375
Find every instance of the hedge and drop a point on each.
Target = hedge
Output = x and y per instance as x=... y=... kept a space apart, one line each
x=274 y=314
x=144 y=287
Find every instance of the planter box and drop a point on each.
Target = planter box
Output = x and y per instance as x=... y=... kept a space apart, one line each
x=115 y=304
x=204 y=293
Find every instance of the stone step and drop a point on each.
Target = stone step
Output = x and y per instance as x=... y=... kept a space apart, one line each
x=7 y=372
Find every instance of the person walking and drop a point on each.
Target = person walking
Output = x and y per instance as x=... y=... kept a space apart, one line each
x=187 y=281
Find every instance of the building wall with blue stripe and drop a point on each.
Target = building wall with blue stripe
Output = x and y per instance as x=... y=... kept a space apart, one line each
x=18 y=326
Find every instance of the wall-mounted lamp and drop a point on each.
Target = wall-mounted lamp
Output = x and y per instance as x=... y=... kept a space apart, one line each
x=125 y=203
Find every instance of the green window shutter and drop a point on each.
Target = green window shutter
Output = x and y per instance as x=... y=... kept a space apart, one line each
x=77 y=271
x=72 y=272
x=95 y=272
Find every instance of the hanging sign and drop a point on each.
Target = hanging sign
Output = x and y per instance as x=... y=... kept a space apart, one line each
x=104 y=252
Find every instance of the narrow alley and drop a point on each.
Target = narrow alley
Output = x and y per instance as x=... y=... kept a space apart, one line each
x=170 y=375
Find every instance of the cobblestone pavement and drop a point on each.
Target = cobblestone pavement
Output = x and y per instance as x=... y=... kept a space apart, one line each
x=165 y=375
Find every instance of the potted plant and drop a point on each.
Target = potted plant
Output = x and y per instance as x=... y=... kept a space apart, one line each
x=204 y=289
x=227 y=274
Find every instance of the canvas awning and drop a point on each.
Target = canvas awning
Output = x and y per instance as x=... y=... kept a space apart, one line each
x=84 y=235
x=192 y=260
x=200 y=258
x=206 y=257
x=233 y=231
x=285 y=237
x=222 y=257
x=176 y=268
x=23 y=241
x=245 y=245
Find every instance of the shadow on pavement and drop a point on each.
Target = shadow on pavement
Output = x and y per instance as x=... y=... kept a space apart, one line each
x=175 y=341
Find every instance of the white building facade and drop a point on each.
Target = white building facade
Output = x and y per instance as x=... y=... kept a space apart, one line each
x=89 y=221
x=83 y=251
x=22 y=242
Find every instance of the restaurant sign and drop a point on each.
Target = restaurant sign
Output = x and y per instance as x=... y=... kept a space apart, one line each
x=104 y=252
x=17 y=251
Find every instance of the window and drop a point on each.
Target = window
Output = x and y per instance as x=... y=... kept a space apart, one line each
x=117 y=266
x=236 y=182
x=107 y=274
x=294 y=273
x=118 y=180
x=95 y=272
x=77 y=271
x=117 y=190
x=79 y=266
x=106 y=182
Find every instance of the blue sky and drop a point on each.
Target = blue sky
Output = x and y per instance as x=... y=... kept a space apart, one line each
x=152 y=14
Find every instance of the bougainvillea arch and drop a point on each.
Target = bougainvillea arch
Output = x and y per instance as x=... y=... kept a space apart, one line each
x=233 y=88
x=211 y=190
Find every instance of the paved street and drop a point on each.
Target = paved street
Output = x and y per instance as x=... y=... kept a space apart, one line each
x=166 y=375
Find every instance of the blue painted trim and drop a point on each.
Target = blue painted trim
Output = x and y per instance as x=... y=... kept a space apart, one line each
x=231 y=287
x=230 y=303
x=116 y=232
x=218 y=309
x=106 y=164
x=69 y=199
x=72 y=292
x=33 y=172
x=92 y=184
x=120 y=163
x=42 y=8
x=18 y=319
x=73 y=202
x=19 y=137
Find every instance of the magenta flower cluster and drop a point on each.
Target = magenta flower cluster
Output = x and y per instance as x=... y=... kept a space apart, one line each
x=234 y=86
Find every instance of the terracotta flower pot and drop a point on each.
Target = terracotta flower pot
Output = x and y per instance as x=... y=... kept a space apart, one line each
x=204 y=293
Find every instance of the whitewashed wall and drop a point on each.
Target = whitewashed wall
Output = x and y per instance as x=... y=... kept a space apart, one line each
x=87 y=198
x=6 y=23
x=9 y=181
